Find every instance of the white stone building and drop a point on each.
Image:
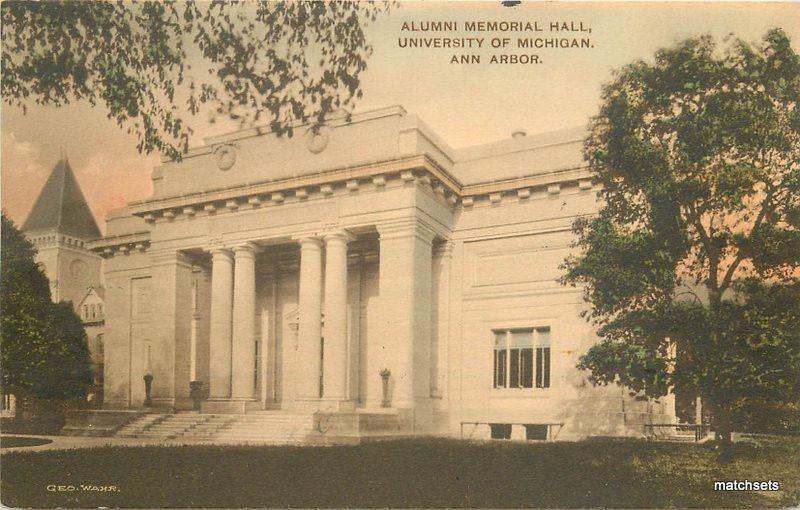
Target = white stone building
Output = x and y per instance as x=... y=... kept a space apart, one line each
x=290 y=273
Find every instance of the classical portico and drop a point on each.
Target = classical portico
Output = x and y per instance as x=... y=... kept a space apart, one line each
x=326 y=355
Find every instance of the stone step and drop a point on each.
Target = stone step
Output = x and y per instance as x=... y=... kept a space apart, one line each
x=140 y=425
x=269 y=427
x=263 y=434
x=273 y=424
x=238 y=437
x=276 y=422
x=154 y=435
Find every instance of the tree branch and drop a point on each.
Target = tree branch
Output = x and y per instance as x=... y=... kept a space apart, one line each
x=766 y=207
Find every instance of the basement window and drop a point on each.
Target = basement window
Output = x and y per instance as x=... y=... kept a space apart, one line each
x=500 y=430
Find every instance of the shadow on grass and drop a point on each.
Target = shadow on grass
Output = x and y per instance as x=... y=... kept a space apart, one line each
x=13 y=441
x=418 y=473
x=43 y=427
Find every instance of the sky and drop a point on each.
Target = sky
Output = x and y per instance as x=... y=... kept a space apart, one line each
x=466 y=104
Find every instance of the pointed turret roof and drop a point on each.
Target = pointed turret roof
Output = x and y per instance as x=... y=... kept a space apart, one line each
x=62 y=207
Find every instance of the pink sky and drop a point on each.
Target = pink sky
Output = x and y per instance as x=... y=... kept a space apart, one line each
x=465 y=104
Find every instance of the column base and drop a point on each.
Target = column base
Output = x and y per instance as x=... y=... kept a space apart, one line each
x=229 y=406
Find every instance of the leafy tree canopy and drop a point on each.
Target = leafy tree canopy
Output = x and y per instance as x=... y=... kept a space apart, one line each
x=43 y=346
x=694 y=254
x=149 y=63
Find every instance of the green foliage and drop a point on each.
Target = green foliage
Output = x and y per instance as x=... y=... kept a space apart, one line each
x=283 y=61
x=692 y=266
x=43 y=346
x=767 y=417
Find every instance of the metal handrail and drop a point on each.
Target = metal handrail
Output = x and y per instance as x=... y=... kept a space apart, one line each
x=700 y=429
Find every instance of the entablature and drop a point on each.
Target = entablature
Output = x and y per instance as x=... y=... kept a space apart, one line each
x=419 y=168
x=414 y=168
x=121 y=244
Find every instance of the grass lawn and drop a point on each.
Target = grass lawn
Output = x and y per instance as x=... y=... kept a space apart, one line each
x=419 y=473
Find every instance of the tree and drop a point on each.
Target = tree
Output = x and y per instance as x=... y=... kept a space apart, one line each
x=43 y=346
x=286 y=61
x=694 y=253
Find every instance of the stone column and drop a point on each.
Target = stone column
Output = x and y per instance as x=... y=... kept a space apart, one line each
x=309 y=308
x=220 y=341
x=244 y=322
x=405 y=294
x=335 y=361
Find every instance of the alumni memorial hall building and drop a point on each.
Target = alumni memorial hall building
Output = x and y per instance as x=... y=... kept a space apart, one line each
x=357 y=281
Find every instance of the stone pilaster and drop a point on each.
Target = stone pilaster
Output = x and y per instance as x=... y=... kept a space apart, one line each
x=221 y=313
x=307 y=369
x=335 y=360
x=244 y=309
x=169 y=354
x=442 y=260
x=405 y=294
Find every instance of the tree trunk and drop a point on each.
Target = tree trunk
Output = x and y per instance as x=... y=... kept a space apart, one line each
x=723 y=428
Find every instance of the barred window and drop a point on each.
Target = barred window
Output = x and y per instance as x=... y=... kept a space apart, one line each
x=522 y=358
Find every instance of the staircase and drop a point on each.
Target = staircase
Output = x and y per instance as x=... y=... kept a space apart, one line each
x=267 y=427
x=163 y=426
x=207 y=430
x=273 y=427
x=140 y=425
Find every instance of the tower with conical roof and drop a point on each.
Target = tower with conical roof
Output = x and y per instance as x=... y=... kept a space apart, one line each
x=61 y=225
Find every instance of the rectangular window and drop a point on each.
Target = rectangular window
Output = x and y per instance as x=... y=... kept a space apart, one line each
x=500 y=359
x=521 y=358
x=543 y=358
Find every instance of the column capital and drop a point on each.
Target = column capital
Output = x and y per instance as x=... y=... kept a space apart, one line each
x=444 y=249
x=410 y=227
x=220 y=251
x=244 y=248
x=339 y=235
x=308 y=240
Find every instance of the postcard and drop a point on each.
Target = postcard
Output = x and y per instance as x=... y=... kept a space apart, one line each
x=401 y=254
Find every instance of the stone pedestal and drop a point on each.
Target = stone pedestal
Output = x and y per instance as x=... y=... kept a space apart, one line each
x=357 y=426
